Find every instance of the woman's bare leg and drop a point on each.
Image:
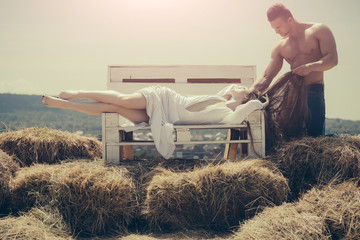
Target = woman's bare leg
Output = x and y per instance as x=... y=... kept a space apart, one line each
x=97 y=108
x=133 y=100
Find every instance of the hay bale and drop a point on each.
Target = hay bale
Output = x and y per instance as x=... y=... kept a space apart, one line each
x=215 y=197
x=310 y=161
x=8 y=164
x=283 y=222
x=338 y=205
x=30 y=226
x=92 y=198
x=52 y=218
x=95 y=199
x=33 y=186
x=44 y=145
x=8 y=167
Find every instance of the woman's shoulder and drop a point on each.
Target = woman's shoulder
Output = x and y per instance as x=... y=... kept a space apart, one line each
x=228 y=88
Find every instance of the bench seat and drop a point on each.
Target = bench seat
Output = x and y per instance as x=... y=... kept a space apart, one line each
x=118 y=144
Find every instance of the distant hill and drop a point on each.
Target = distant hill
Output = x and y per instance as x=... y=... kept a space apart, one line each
x=23 y=111
x=339 y=126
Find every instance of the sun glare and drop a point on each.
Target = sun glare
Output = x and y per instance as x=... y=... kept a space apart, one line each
x=156 y=2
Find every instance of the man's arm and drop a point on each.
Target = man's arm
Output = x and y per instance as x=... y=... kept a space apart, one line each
x=328 y=50
x=271 y=71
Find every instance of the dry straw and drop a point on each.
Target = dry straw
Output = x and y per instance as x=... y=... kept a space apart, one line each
x=44 y=145
x=283 y=222
x=37 y=224
x=215 y=197
x=8 y=167
x=34 y=186
x=310 y=161
x=92 y=198
x=95 y=199
x=338 y=205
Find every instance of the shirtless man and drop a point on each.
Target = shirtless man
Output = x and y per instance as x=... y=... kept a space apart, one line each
x=310 y=49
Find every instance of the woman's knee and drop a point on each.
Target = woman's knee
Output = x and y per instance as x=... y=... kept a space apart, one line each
x=133 y=101
x=134 y=115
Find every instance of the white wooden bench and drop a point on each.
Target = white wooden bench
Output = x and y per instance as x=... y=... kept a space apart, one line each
x=186 y=80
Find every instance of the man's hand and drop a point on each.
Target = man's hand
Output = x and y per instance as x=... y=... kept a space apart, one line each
x=266 y=103
x=302 y=70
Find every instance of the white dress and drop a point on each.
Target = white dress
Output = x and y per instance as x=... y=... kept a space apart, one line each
x=166 y=107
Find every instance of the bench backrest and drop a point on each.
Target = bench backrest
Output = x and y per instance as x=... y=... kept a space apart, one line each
x=184 y=79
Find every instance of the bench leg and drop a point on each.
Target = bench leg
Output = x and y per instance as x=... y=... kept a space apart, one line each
x=244 y=147
x=128 y=149
x=231 y=148
x=113 y=154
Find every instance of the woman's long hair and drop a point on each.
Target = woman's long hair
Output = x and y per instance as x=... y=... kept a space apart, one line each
x=287 y=111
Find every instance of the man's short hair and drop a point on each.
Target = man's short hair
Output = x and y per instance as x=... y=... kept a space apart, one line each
x=278 y=10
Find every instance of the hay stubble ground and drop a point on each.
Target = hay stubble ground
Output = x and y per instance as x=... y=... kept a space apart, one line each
x=54 y=185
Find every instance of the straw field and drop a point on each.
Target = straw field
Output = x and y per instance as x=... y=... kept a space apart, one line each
x=53 y=185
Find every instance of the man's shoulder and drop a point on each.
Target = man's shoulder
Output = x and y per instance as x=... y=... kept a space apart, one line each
x=319 y=27
x=320 y=30
x=281 y=43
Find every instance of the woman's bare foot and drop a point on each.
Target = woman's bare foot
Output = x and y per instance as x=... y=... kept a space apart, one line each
x=54 y=102
x=69 y=94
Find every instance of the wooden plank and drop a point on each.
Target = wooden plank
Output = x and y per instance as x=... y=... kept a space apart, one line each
x=128 y=150
x=231 y=148
x=148 y=80
x=116 y=74
x=149 y=143
x=214 y=80
x=112 y=119
x=103 y=136
x=255 y=150
x=113 y=154
x=192 y=127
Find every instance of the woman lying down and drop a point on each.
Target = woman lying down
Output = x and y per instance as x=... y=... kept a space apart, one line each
x=161 y=107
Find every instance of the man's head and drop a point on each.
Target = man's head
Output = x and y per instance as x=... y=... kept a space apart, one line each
x=278 y=10
x=280 y=19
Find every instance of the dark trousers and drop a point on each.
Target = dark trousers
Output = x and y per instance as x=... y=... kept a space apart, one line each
x=316 y=103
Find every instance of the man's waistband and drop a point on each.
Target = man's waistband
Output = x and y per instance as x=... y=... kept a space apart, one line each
x=316 y=86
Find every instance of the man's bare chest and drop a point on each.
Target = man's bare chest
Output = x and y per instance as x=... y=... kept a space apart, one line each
x=304 y=48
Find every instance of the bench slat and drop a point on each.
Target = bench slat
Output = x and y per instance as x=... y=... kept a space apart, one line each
x=143 y=143
x=214 y=80
x=148 y=80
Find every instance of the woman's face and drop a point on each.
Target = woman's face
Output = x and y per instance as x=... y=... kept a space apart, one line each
x=241 y=95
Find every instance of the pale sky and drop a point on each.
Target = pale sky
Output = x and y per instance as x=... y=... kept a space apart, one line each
x=47 y=46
